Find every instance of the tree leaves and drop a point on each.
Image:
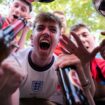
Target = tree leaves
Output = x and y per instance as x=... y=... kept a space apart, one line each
x=76 y=11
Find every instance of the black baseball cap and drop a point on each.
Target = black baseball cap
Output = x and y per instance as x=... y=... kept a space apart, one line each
x=42 y=1
x=102 y=6
x=46 y=1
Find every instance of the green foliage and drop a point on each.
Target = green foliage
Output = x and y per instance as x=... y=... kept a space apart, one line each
x=1 y=1
x=76 y=11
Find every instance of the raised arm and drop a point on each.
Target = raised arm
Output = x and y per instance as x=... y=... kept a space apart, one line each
x=82 y=57
x=10 y=80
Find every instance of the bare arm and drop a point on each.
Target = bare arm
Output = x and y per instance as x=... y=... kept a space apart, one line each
x=22 y=39
x=83 y=70
x=11 y=77
x=82 y=58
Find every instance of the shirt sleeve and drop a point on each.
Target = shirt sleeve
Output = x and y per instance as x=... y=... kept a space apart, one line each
x=98 y=69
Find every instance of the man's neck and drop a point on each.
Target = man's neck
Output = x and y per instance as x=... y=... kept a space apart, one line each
x=40 y=60
x=39 y=64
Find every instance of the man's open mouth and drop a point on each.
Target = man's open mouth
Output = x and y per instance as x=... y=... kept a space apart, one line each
x=44 y=45
x=15 y=16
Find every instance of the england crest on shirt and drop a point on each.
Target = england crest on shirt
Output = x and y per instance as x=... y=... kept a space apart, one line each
x=37 y=86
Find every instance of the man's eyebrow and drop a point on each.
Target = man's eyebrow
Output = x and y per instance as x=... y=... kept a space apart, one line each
x=85 y=33
x=82 y=33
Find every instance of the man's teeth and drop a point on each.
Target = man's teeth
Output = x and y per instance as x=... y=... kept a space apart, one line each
x=45 y=41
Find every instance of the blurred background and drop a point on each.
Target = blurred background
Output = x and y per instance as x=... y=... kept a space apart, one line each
x=76 y=11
